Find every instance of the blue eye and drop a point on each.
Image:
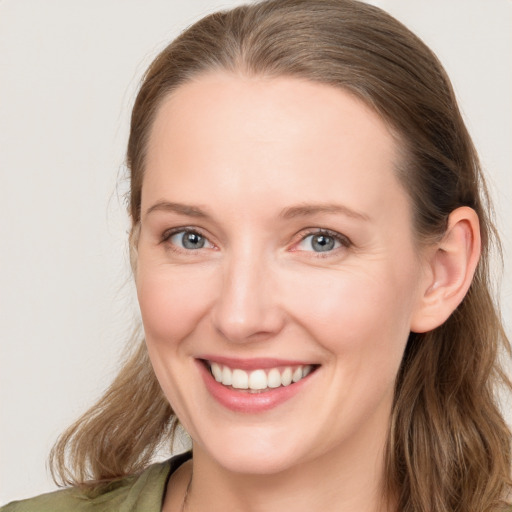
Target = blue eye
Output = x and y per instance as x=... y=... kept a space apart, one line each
x=322 y=242
x=189 y=240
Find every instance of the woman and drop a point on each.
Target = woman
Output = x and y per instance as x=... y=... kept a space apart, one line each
x=310 y=247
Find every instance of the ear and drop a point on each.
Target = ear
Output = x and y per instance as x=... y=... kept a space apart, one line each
x=450 y=266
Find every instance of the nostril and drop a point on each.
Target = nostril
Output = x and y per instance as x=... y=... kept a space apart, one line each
x=254 y=325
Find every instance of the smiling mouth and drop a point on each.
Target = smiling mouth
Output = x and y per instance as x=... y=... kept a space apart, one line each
x=260 y=380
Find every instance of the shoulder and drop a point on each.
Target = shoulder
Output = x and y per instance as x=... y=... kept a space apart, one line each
x=64 y=500
x=139 y=493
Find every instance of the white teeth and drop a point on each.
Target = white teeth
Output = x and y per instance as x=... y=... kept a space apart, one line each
x=297 y=374
x=274 y=378
x=286 y=377
x=306 y=370
x=227 y=376
x=217 y=372
x=240 y=379
x=258 y=379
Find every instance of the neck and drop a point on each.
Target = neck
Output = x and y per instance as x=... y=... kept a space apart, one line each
x=351 y=481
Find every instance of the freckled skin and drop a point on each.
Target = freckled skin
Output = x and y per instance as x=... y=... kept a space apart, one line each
x=243 y=150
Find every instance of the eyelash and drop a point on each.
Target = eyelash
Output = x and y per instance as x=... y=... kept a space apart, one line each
x=341 y=239
x=167 y=235
x=344 y=241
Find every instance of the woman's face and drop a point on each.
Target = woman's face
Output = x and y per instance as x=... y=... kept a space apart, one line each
x=276 y=245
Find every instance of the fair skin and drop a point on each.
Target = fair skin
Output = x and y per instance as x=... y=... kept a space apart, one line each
x=275 y=234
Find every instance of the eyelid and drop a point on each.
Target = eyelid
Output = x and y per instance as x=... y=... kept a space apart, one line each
x=169 y=233
x=344 y=241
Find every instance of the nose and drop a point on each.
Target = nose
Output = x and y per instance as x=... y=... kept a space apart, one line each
x=247 y=308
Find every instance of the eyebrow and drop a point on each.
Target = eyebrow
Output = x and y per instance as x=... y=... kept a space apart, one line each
x=182 y=209
x=305 y=210
x=302 y=210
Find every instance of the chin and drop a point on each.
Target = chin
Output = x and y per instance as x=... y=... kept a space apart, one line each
x=252 y=456
x=256 y=464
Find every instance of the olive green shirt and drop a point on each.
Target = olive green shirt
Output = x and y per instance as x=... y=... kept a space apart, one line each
x=138 y=493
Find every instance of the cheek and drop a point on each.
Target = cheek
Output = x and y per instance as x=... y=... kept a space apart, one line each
x=172 y=300
x=357 y=312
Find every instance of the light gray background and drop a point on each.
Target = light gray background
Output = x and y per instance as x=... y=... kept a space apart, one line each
x=68 y=76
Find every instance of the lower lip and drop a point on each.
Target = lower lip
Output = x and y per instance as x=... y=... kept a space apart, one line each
x=244 y=401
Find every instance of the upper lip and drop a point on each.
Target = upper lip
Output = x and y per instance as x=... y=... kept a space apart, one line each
x=258 y=363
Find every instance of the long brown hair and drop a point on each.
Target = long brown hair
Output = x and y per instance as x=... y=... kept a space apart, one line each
x=448 y=446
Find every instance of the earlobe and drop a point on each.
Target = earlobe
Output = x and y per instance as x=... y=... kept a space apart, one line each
x=451 y=266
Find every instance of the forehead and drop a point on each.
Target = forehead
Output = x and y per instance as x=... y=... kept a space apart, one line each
x=281 y=138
